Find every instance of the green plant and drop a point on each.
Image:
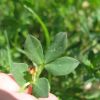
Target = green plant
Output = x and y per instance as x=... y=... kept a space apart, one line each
x=52 y=61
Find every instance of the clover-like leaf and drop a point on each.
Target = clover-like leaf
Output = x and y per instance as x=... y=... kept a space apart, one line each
x=18 y=71
x=57 y=48
x=62 y=66
x=34 y=50
x=41 y=88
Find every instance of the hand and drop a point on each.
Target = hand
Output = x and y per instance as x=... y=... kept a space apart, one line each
x=9 y=90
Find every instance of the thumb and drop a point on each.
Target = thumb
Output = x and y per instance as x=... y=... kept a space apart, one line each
x=7 y=83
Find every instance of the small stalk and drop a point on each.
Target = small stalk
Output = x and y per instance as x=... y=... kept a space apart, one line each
x=22 y=89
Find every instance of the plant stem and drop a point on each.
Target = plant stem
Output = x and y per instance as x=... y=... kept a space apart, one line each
x=8 y=49
x=46 y=33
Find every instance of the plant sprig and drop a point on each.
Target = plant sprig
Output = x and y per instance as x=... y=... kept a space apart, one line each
x=52 y=61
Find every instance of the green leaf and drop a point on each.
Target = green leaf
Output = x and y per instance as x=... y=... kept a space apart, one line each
x=34 y=50
x=62 y=66
x=18 y=71
x=57 y=48
x=41 y=88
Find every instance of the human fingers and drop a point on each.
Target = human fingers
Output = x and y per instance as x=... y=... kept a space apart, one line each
x=7 y=83
x=23 y=96
x=10 y=95
x=50 y=97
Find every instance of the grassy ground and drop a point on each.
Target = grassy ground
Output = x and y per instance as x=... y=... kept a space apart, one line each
x=42 y=18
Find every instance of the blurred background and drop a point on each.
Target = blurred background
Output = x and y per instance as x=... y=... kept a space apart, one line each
x=45 y=18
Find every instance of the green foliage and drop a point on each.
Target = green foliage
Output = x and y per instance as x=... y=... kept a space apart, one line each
x=62 y=66
x=33 y=50
x=80 y=20
x=41 y=88
x=57 y=48
x=46 y=33
x=18 y=71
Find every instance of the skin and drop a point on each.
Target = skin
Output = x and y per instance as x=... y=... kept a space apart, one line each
x=9 y=90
